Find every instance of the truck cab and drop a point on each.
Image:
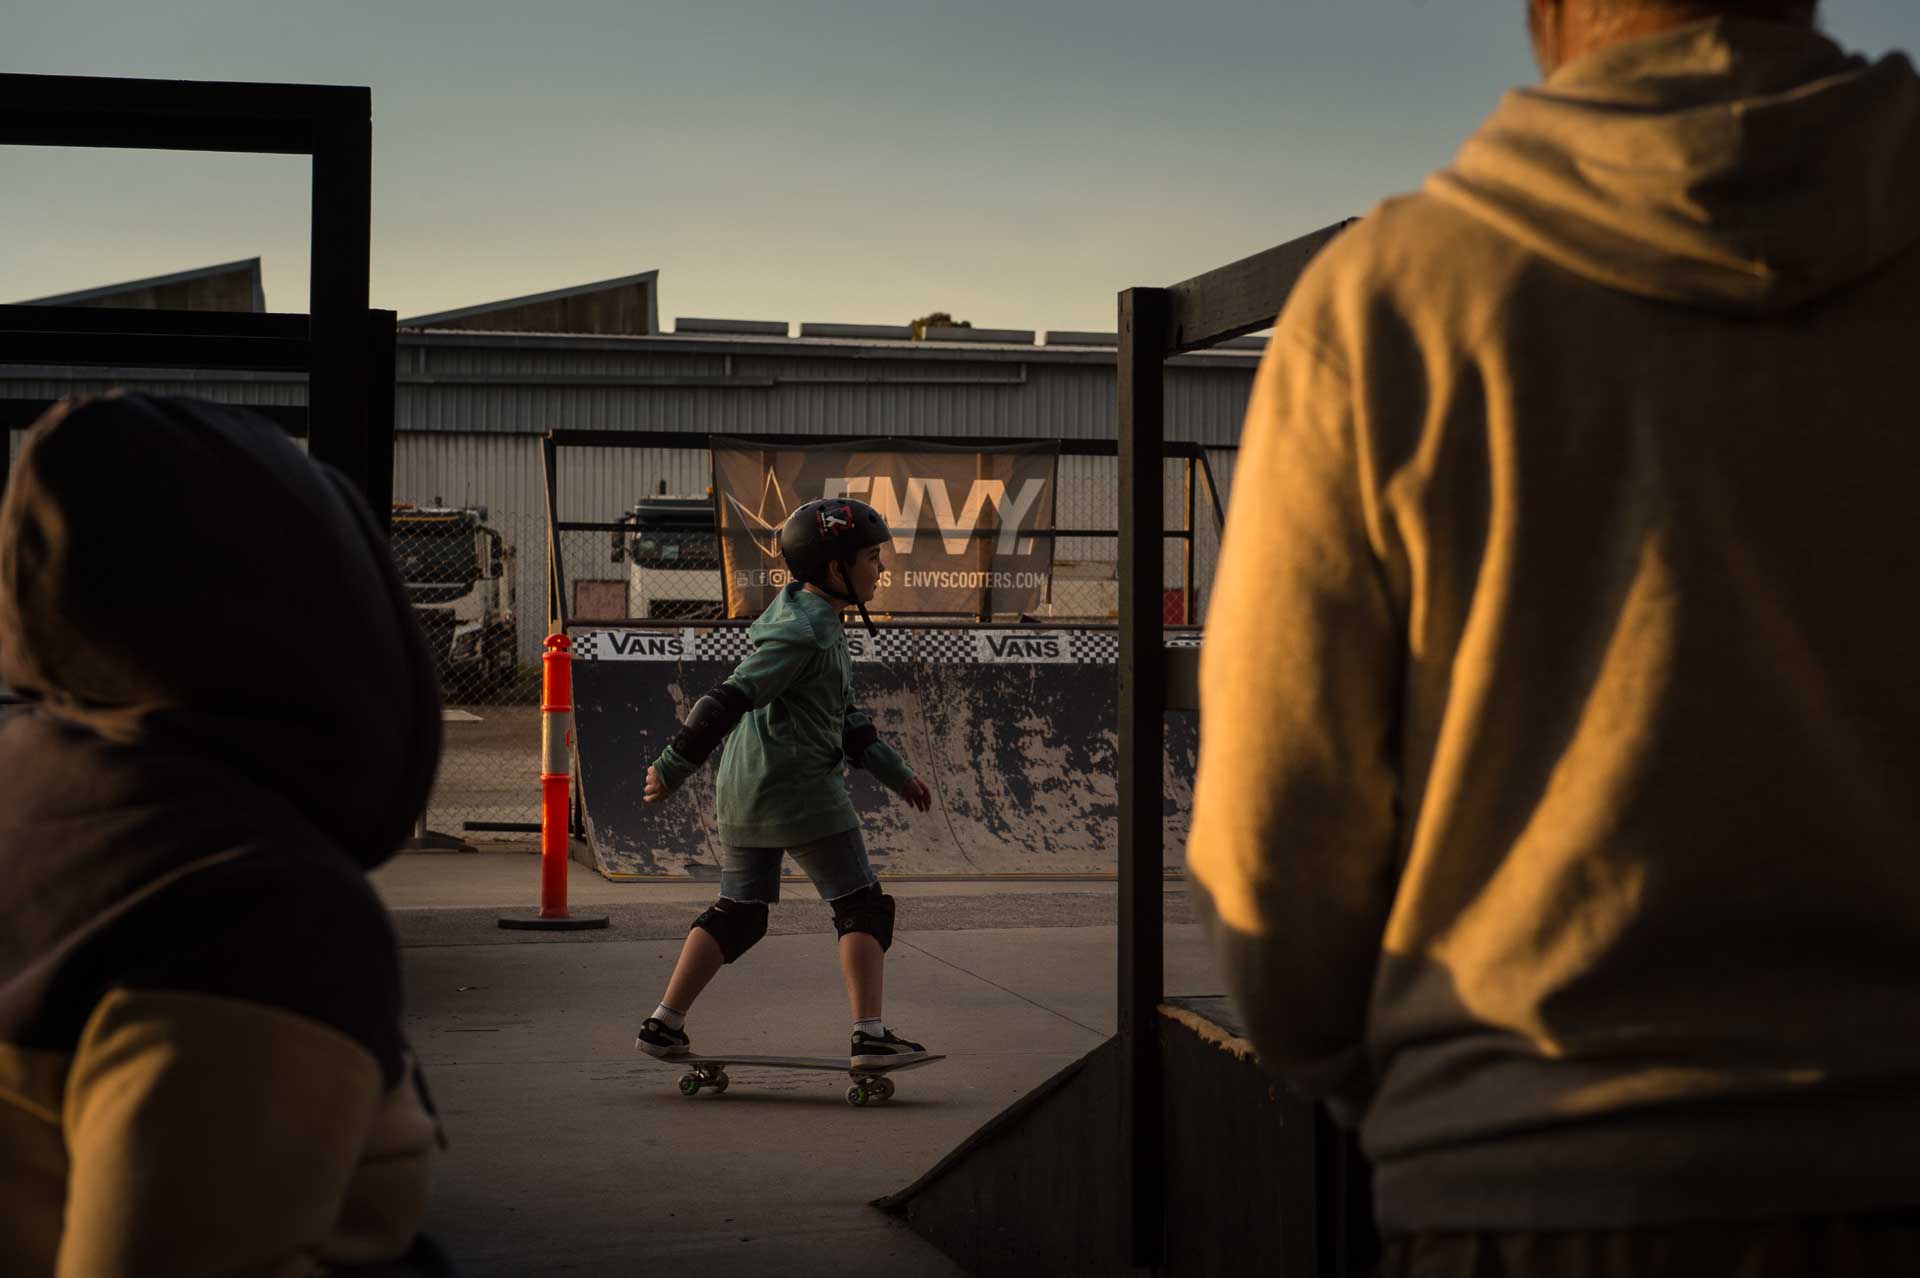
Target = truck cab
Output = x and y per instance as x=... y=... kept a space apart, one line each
x=459 y=579
x=672 y=551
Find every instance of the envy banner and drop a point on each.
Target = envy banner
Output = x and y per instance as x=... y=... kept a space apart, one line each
x=964 y=520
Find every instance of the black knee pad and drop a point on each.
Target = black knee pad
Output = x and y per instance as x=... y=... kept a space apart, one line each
x=869 y=910
x=736 y=925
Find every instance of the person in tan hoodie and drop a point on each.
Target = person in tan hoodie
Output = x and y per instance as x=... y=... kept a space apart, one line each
x=1558 y=812
x=229 y=718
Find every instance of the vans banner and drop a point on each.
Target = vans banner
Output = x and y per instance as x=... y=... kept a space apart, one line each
x=897 y=646
x=963 y=520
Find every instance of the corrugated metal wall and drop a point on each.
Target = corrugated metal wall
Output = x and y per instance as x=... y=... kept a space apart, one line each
x=501 y=473
x=46 y=382
x=444 y=358
x=800 y=391
x=472 y=439
x=599 y=484
x=1010 y=400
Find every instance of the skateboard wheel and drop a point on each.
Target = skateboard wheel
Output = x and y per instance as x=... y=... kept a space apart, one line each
x=689 y=1084
x=856 y=1095
x=885 y=1088
x=719 y=1083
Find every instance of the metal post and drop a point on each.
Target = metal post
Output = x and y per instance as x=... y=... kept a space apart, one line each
x=1143 y=350
x=338 y=390
x=723 y=544
x=1213 y=494
x=556 y=572
x=982 y=547
x=1186 y=577
x=382 y=358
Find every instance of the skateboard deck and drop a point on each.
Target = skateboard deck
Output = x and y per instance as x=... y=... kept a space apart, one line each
x=870 y=1082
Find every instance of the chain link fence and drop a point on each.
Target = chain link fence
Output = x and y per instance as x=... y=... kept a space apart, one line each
x=1086 y=582
x=665 y=565
x=634 y=571
x=642 y=585
x=477 y=583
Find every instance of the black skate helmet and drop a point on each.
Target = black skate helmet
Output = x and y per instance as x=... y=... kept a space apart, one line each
x=832 y=529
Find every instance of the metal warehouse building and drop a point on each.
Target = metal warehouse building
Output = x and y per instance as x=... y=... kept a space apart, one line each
x=479 y=387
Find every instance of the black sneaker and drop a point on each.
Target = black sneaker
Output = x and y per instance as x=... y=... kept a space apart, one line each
x=887 y=1049
x=657 y=1040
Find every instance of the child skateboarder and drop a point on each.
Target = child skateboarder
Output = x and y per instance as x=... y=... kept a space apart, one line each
x=789 y=707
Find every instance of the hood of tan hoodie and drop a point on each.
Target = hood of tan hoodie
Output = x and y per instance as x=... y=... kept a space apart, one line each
x=1734 y=165
x=179 y=584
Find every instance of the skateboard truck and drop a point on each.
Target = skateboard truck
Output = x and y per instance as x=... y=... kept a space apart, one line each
x=870 y=1083
x=866 y=1086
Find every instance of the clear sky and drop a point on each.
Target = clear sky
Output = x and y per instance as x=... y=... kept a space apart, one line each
x=1015 y=162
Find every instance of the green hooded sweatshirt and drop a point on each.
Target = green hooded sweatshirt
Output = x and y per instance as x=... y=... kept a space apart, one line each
x=781 y=782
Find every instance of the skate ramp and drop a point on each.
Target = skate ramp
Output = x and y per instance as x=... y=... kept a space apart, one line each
x=1012 y=730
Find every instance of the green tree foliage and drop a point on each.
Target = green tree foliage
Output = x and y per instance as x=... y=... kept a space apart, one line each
x=938 y=319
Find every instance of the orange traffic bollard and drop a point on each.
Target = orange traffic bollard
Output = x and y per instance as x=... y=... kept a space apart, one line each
x=556 y=773
x=556 y=779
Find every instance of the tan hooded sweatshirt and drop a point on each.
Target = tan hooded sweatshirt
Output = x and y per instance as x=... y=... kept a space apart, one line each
x=1559 y=795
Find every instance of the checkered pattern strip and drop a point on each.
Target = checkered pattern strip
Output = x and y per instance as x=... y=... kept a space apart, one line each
x=894 y=646
x=1094 y=647
x=944 y=647
x=937 y=647
x=731 y=646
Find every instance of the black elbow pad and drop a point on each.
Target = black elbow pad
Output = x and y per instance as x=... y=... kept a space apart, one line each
x=708 y=723
x=854 y=743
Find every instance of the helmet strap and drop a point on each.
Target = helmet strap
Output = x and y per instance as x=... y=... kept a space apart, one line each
x=846 y=571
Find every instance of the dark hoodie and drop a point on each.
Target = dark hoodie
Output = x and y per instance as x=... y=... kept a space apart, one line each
x=230 y=720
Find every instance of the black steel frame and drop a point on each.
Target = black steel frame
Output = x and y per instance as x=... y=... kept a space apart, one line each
x=346 y=350
x=1155 y=325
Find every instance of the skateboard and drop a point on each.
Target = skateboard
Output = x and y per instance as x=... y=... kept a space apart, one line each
x=870 y=1082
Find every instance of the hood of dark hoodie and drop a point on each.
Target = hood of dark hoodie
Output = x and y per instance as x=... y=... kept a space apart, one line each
x=1736 y=165
x=179 y=582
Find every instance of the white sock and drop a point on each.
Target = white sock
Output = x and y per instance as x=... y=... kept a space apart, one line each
x=871 y=1028
x=671 y=1017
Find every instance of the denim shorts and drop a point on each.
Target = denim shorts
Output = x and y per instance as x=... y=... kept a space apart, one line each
x=837 y=865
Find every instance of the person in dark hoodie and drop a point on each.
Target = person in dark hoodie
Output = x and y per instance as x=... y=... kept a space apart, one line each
x=230 y=718
x=1556 y=814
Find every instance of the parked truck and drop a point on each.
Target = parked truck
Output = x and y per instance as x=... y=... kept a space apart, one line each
x=672 y=552
x=459 y=578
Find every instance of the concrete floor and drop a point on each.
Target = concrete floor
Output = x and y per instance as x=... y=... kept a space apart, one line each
x=572 y=1153
x=509 y=877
